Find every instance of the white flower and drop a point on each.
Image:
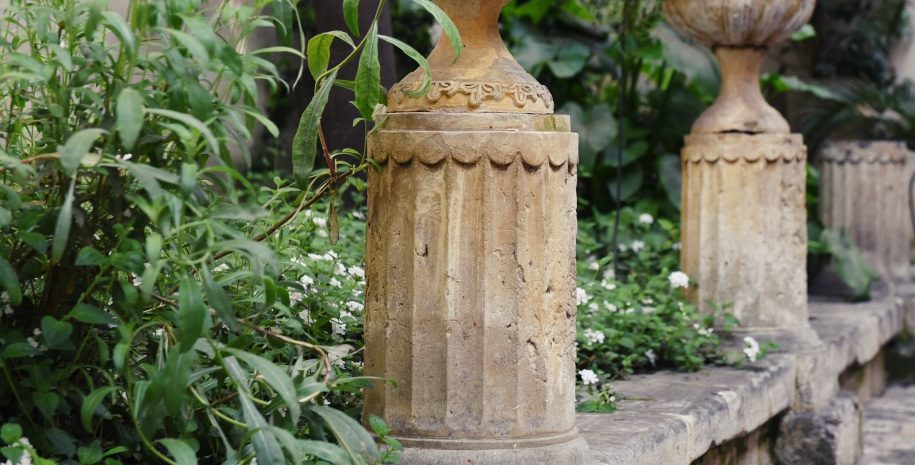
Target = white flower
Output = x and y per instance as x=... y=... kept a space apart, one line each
x=621 y=247
x=306 y=318
x=702 y=330
x=4 y=297
x=609 y=274
x=340 y=268
x=588 y=377
x=592 y=263
x=676 y=246
x=648 y=301
x=317 y=257
x=307 y=281
x=321 y=222
x=752 y=348
x=593 y=308
x=593 y=336
x=159 y=333
x=357 y=272
x=32 y=342
x=338 y=327
x=610 y=307
x=125 y=157
x=322 y=233
x=36 y=332
x=648 y=310
x=335 y=283
x=223 y=267
x=7 y=309
x=607 y=285
x=637 y=246
x=358 y=215
x=581 y=296
x=333 y=255
x=645 y=218
x=135 y=280
x=652 y=357
x=296 y=297
x=678 y=279
x=355 y=306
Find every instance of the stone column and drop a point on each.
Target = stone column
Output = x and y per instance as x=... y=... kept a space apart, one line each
x=470 y=302
x=864 y=192
x=744 y=222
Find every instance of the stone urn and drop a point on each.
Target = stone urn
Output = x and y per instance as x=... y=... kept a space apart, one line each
x=740 y=32
x=864 y=192
x=486 y=78
x=744 y=219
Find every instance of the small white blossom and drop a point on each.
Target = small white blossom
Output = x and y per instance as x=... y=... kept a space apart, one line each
x=296 y=297
x=645 y=218
x=592 y=263
x=609 y=274
x=36 y=332
x=648 y=301
x=305 y=316
x=322 y=233
x=317 y=257
x=593 y=308
x=622 y=247
x=678 y=280
x=159 y=333
x=333 y=255
x=652 y=357
x=676 y=246
x=358 y=215
x=355 y=306
x=135 y=280
x=593 y=336
x=752 y=349
x=335 y=283
x=340 y=268
x=125 y=157
x=338 y=327
x=648 y=310
x=637 y=246
x=32 y=342
x=588 y=377
x=307 y=281
x=581 y=296
x=610 y=307
x=222 y=268
x=320 y=222
x=357 y=272
x=607 y=285
x=7 y=309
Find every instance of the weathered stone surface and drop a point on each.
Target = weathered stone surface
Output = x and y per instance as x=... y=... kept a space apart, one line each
x=863 y=191
x=744 y=226
x=867 y=381
x=830 y=436
x=740 y=32
x=752 y=449
x=470 y=304
x=889 y=432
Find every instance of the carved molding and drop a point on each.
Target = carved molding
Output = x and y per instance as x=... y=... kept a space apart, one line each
x=501 y=148
x=750 y=148
x=870 y=153
x=476 y=94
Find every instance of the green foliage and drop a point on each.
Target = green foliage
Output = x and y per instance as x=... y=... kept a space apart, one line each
x=158 y=306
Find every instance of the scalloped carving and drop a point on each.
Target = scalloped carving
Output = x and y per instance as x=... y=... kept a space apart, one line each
x=750 y=148
x=478 y=93
x=502 y=148
x=870 y=153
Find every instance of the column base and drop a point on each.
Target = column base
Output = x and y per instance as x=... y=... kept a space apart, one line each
x=458 y=452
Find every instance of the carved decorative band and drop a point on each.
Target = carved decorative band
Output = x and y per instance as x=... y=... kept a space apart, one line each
x=749 y=148
x=857 y=157
x=477 y=93
x=501 y=148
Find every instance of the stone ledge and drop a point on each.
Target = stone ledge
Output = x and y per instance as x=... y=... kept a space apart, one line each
x=675 y=418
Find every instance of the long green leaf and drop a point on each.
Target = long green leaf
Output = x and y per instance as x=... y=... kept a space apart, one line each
x=129 y=121
x=325 y=451
x=368 y=75
x=91 y=403
x=192 y=123
x=122 y=30
x=448 y=27
x=304 y=143
x=76 y=148
x=353 y=438
x=62 y=229
x=318 y=51
x=192 y=313
x=266 y=447
x=193 y=46
x=420 y=60
x=219 y=300
x=351 y=15
x=9 y=281
x=180 y=450
x=275 y=376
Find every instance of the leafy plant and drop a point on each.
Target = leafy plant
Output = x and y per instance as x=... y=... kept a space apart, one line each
x=159 y=306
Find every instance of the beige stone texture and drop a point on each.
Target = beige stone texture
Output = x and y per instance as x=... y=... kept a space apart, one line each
x=740 y=32
x=863 y=191
x=744 y=226
x=485 y=78
x=470 y=305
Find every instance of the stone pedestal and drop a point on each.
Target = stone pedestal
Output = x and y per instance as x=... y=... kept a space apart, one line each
x=744 y=226
x=864 y=192
x=470 y=304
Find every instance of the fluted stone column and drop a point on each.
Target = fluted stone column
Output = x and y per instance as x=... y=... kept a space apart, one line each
x=470 y=303
x=744 y=230
x=864 y=192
